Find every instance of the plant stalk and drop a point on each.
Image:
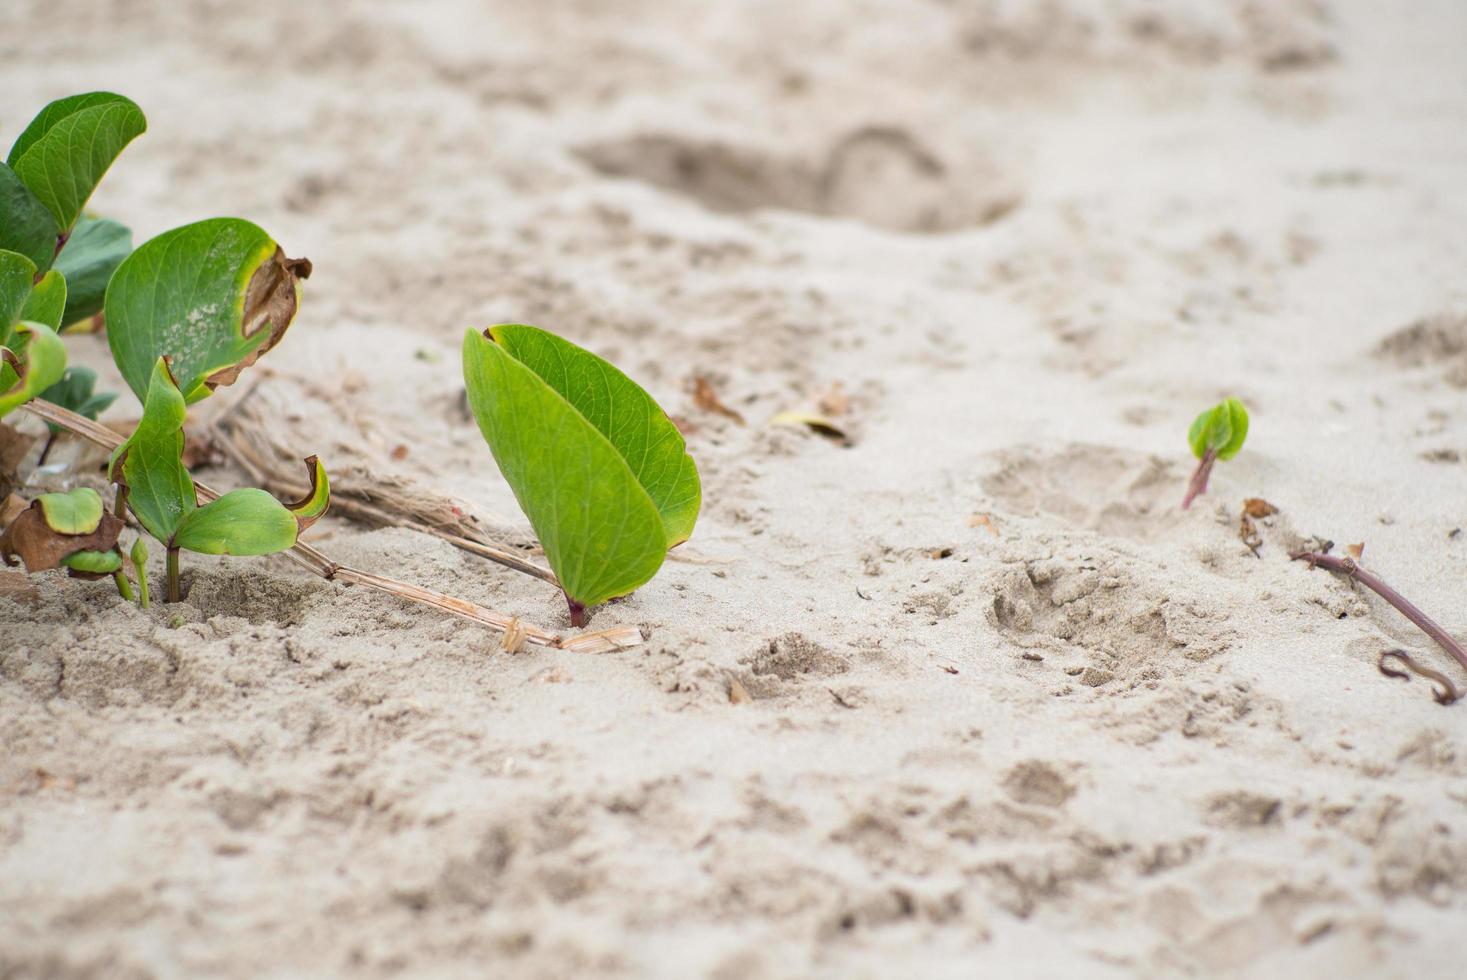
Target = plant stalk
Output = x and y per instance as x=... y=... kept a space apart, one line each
x=1351 y=569
x=173 y=594
x=124 y=587
x=603 y=641
x=1197 y=486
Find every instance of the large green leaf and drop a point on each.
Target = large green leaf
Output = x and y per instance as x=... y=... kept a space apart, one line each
x=242 y=522
x=62 y=155
x=150 y=463
x=41 y=367
x=92 y=254
x=620 y=410
x=47 y=301
x=26 y=226
x=602 y=531
x=211 y=296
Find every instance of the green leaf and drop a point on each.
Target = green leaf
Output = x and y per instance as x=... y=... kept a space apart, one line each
x=1220 y=430
x=76 y=512
x=17 y=275
x=620 y=410
x=603 y=532
x=93 y=562
x=42 y=366
x=242 y=522
x=211 y=296
x=150 y=463
x=62 y=155
x=92 y=254
x=25 y=224
x=75 y=392
x=47 y=301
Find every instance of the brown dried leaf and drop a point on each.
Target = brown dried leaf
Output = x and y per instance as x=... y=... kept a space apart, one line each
x=1258 y=507
x=737 y=693
x=1356 y=551
x=31 y=539
x=1248 y=533
x=270 y=303
x=707 y=399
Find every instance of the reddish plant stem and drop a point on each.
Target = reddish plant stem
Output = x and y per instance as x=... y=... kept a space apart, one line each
x=1350 y=568
x=578 y=615
x=1197 y=486
x=1444 y=691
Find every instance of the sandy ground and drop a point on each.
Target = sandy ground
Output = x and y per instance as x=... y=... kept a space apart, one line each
x=1012 y=710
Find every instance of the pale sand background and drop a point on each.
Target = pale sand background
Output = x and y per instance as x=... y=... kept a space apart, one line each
x=1104 y=741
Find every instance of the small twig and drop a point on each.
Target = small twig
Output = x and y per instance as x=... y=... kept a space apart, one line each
x=1350 y=568
x=240 y=453
x=1445 y=692
x=304 y=555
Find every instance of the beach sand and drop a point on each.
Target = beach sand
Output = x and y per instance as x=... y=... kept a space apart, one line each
x=969 y=695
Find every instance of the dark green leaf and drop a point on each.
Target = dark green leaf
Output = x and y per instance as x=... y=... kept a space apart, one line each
x=62 y=155
x=25 y=224
x=602 y=530
x=150 y=463
x=211 y=296
x=76 y=392
x=242 y=522
x=92 y=254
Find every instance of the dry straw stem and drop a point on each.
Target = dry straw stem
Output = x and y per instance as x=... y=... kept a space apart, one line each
x=616 y=638
x=1349 y=567
x=404 y=513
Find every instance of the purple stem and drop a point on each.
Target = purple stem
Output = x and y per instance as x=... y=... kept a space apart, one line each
x=1198 y=484
x=578 y=615
x=1423 y=622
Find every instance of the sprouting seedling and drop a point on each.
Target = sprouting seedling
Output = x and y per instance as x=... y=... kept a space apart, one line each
x=139 y=558
x=596 y=465
x=66 y=530
x=154 y=484
x=76 y=392
x=1217 y=433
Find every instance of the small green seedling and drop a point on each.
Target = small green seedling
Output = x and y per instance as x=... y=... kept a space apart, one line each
x=1217 y=433
x=76 y=392
x=139 y=558
x=153 y=483
x=65 y=530
x=596 y=465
